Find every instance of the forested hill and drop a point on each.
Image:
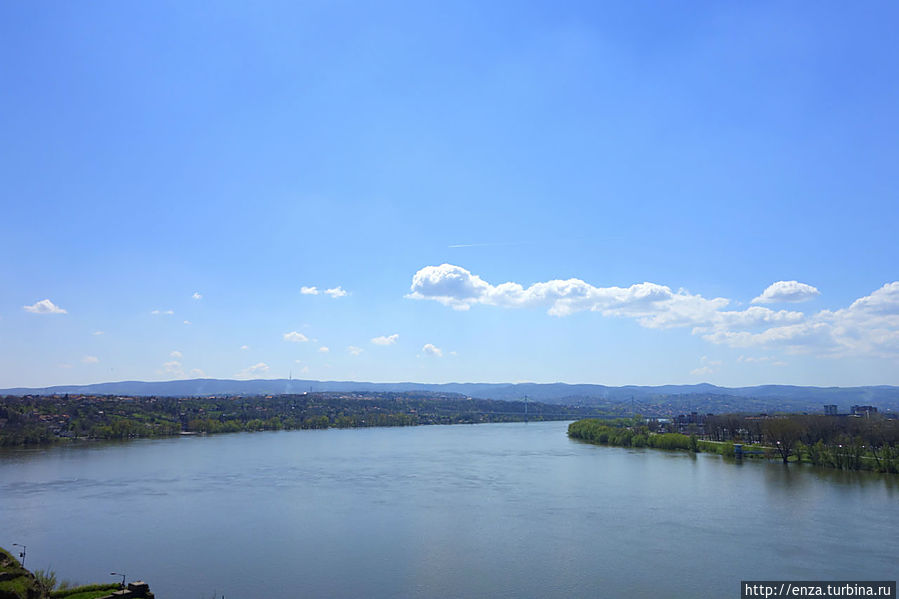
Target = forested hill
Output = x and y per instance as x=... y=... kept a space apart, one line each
x=699 y=397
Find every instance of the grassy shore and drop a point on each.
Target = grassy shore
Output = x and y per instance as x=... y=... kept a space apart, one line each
x=16 y=582
x=849 y=454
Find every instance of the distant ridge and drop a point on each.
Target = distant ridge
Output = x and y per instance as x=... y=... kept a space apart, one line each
x=886 y=396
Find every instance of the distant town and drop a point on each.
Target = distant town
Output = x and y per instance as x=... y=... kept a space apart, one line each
x=42 y=419
x=30 y=420
x=862 y=439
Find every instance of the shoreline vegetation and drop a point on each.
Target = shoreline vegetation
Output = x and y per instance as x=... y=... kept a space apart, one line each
x=844 y=442
x=16 y=582
x=44 y=420
x=870 y=443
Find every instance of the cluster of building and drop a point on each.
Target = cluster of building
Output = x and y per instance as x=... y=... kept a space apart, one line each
x=692 y=423
x=831 y=410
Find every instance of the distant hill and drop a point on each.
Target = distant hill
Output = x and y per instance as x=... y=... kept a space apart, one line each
x=770 y=397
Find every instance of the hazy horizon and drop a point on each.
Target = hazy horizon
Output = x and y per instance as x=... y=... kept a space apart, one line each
x=435 y=383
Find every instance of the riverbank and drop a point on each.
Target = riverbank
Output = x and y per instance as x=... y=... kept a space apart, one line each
x=43 y=420
x=783 y=436
x=17 y=582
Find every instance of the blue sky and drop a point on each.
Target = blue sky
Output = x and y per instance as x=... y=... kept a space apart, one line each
x=173 y=175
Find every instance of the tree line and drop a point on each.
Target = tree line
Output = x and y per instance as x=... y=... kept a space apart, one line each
x=47 y=419
x=847 y=443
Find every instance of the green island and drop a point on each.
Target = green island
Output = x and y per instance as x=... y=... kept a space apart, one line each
x=845 y=443
x=35 y=420
x=18 y=583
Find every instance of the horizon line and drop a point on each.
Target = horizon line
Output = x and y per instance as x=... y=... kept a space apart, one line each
x=408 y=382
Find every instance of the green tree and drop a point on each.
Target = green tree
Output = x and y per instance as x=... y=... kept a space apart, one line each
x=782 y=434
x=46 y=580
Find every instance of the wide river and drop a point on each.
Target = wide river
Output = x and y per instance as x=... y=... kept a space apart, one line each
x=493 y=510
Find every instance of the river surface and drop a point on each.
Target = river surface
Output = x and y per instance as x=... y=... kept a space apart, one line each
x=493 y=510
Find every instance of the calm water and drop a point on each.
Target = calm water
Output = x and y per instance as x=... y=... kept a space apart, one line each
x=497 y=510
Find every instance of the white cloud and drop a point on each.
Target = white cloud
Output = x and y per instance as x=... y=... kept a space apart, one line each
x=334 y=292
x=752 y=359
x=432 y=350
x=323 y=349
x=450 y=285
x=753 y=317
x=768 y=360
x=794 y=337
x=174 y=368
x=197 y=295
x=654 y=306
x=90 y=359
x=883 y=302
x=869 y=326
x=65 y=365
x=96 y=333
x=176 y=354
x=162 y=312
x=244 y=347
x=355 y=350
x=385 y=340
x=44 y=306
x=187 y=322
x=706 y=366
x=295 y=337
x=253 y=371
x=787 y=291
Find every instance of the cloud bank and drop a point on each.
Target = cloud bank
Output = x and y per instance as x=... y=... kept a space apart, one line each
x=869 y=326
x=655 y=306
